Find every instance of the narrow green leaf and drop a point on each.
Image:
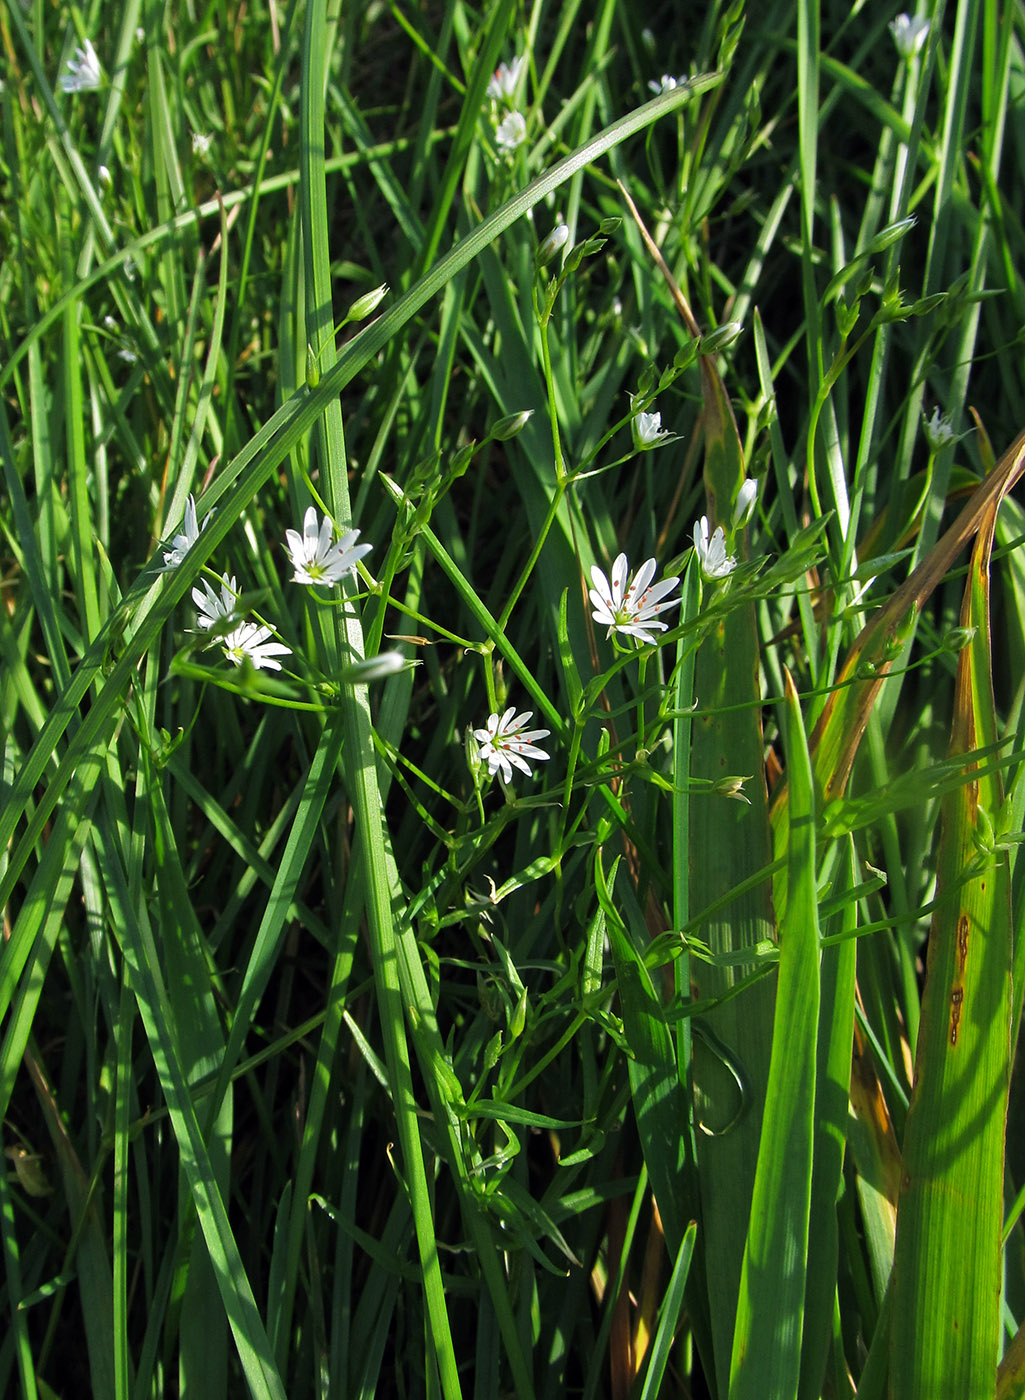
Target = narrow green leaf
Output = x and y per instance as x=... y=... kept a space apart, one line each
x=769 y=1334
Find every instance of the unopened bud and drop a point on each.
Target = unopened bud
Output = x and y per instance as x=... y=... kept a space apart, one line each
x=552 y=245
x=519 y=1017
x=461 y=460
x=375 y=668
x=367 y=304
x=745 y=503
x=312 y=368
x=958 y=638
x=512 y=424
x=721 y=338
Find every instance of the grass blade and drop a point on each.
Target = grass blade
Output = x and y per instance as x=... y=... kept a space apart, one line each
x=769 y=1334
x=945 y=1319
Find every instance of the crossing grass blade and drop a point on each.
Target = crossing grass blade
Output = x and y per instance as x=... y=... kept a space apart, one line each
x=945 y=1315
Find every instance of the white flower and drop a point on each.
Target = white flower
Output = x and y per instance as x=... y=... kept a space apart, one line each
x=939 y=431
x=664 y=84
x=104 y=175
x=84 y=73
x=502 y=86
x=200 y=143
x=505 y=743
x=631 y=609
x=648 y=430
x=315 y=559
x=909 y=34
x=249 y=640
x=745 y=503
x=712 y=556
x=213 y=610
x=511 y=132
x=183 y=542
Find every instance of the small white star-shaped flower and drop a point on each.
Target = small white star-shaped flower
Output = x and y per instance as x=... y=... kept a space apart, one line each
x=250 y=641
x=315 y=558
x=712 y=556
x=505 y=744
x=84 y=73
x=200 y=143
x=216 y=611
x=909 y=34
x=502 y=86
x=511 y=132
x=664 y=84
x=649 y=430
x=631 y=608
x=187 y=536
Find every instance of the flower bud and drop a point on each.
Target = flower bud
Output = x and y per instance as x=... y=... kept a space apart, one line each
x=552 y=245
x=745 y=503
x=367 y=304
x=720 y=339
x=518 y=1020
x=512 y=425
x=312 y=368
x=375 y=668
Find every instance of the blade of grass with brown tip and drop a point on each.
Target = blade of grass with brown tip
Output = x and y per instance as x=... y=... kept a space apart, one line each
x=945 y=1292
x=837 y=734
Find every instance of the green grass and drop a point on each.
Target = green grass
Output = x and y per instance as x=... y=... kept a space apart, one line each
x=331 y=1063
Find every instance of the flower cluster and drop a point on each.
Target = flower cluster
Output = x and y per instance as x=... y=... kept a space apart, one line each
x=511 y=127
x=317 y=559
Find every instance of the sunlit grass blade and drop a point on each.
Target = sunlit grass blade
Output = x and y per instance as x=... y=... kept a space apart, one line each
x=945 y=1316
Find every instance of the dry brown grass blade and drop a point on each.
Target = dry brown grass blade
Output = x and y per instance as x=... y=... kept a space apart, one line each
x=834 y=740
